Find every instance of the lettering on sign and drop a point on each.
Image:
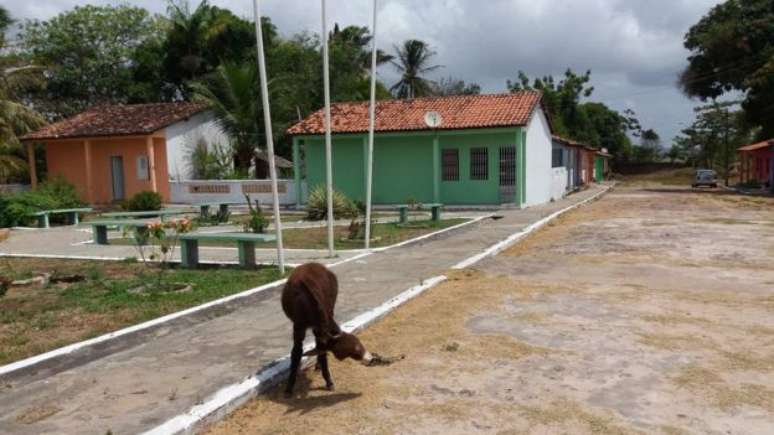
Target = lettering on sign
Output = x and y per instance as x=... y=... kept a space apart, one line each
x=209 y=188
x=263 y=188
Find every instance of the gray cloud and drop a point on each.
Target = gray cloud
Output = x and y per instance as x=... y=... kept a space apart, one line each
x=633 y=47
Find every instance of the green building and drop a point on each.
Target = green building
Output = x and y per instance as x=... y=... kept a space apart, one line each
x=486 y=150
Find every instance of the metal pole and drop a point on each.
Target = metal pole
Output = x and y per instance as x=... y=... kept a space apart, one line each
x=328 y=152
x=269 y=134
x=371 y=128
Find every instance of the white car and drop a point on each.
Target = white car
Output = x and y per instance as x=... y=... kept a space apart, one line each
x=705 y=177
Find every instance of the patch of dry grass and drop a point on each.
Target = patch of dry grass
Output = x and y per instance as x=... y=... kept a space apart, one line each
x=37 y=413
x=570 y=414
x=710 y=385
x=430 y=330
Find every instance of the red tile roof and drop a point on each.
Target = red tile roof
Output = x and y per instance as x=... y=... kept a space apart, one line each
x=757 y=146
x=457 y=112
x=118 y=120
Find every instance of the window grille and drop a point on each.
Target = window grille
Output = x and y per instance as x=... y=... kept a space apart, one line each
x=479 y=164
x=507 y=166
x=451 y=164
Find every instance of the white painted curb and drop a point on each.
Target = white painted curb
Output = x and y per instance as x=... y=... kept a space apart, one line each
x=232 y=396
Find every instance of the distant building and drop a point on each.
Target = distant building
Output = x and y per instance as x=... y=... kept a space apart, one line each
x=112 y=152
x=756 y=163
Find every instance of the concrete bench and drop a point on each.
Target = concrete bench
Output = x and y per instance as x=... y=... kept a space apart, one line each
x=189 y=246
x=72 y=215
x=204 y=208
x=100 y=229
x=162 y=214
x=435 y=209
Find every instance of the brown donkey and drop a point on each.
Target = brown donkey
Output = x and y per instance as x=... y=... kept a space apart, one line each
x=308 y=299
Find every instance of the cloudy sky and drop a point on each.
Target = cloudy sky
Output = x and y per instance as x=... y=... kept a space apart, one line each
x=633 y=47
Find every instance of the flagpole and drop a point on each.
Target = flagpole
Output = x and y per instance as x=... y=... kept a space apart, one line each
x=371 y=128
x=328 y=152
x=269 y=134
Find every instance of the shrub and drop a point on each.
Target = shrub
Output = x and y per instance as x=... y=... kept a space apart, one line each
x=257 y=221
x=317 y=205
x=144 y=201
x=57 y=193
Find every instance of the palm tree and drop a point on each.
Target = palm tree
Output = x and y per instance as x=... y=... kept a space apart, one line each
x=360 y=39
x=16 y=119
x=232 y=93
x=413 y=58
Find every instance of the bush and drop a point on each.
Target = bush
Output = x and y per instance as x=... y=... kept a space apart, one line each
x=143 y=201
x=257 y=222
x=57 y=193
x=317 y=205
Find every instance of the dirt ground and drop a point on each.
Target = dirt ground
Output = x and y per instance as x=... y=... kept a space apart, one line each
x=649 y=311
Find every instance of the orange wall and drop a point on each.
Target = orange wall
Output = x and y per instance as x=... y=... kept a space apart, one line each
x=66 y=158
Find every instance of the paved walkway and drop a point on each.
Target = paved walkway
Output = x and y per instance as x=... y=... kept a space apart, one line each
x=140 y=382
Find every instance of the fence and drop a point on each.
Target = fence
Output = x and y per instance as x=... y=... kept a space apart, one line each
x=199 y=191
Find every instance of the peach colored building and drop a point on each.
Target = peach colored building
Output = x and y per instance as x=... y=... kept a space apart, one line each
x=110 y=153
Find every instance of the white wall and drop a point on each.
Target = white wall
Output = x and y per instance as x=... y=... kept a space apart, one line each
x=197 y=192
x=558 y=183
x=182 y=136
x=539 y=174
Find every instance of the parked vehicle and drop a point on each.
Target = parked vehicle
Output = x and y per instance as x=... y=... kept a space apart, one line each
x=705 y=177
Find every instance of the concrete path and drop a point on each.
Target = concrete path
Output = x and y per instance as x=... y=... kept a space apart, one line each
x=142 y=381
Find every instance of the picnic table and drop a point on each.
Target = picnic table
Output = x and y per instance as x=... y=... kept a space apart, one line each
x=189 y=246
x=100 y=229
x=72 y=215
x=435 y=209
x=204 y=208
x=162 y=214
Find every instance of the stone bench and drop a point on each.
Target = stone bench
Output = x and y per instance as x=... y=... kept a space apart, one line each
x=100 y=229
x=435 y=209
x=72 y=215
x=189 y=246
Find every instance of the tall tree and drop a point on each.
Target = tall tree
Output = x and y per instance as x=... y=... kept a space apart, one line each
x=89 y=52
x=16 y=119
x=589 y=122
x=413 y=62
x=713 y=137
x=732 y=50
x=232 y=93
x=452 y=86
x=200 y=39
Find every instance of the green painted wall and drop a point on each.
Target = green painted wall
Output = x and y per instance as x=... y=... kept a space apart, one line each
x=348 y=166
x=404 y=165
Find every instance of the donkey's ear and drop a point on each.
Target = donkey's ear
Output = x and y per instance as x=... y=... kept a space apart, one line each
x=314 y=352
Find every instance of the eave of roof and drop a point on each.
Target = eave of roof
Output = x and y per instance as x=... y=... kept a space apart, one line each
x=397 y=116
x=118 y=121
x=757 y=146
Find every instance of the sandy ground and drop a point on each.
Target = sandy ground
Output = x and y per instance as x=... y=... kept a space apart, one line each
x=650 y=311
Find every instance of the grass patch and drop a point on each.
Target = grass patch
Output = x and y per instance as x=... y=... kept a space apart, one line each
x=316 y=238
x=722 y=395
x=34 y=320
